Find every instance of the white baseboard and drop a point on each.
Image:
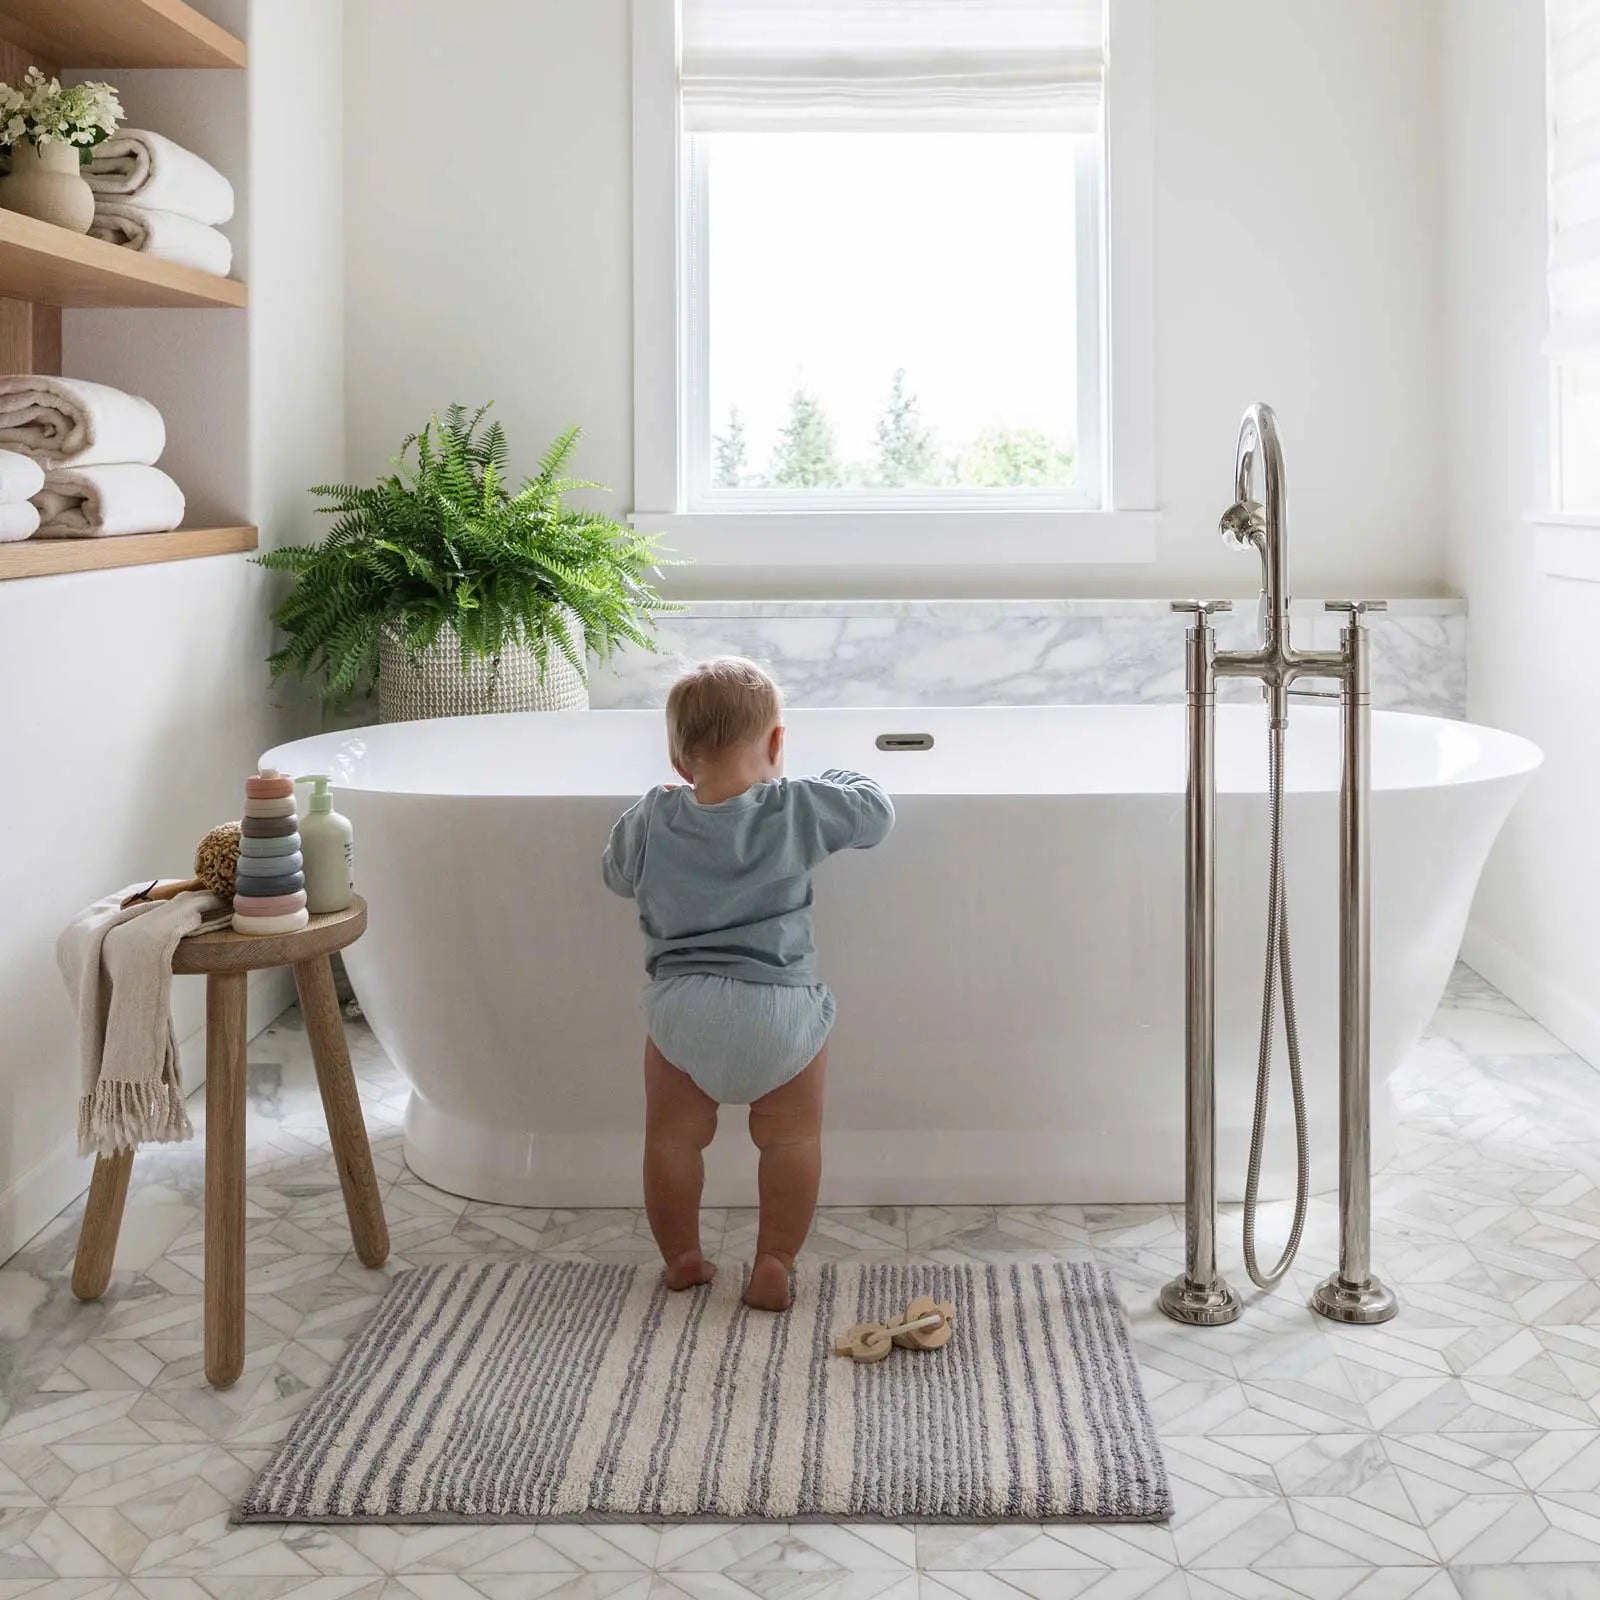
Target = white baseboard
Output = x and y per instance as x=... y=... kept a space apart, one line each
x=40 y=1194
x=1574 y=1021
x=49 y=1187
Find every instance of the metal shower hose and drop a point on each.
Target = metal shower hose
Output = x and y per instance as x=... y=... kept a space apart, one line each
x=1277 y=968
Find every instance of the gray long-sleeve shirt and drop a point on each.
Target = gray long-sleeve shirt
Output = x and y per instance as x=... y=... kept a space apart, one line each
x=726 y=888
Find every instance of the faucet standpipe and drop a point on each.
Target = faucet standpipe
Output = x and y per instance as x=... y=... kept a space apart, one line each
x=1354 y=1293
x=1200 y=1296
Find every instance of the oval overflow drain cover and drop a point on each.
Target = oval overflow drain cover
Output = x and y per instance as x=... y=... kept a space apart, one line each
x=905 y=741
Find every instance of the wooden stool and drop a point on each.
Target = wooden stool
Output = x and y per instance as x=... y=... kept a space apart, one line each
x=227 y=959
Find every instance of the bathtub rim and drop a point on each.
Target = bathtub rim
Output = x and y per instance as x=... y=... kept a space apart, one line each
x=1519 y=756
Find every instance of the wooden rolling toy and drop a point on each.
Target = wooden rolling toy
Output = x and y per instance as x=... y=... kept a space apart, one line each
x=928 y=1324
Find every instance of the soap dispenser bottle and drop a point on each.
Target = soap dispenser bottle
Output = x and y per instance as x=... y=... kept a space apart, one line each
x=325 y=839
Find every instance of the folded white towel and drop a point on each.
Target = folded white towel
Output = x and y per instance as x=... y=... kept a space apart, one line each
x=166 y=235
x=66 y=422
x=148 y=167
x=117 y=964
x=99 y=502
x=21 y=478
x=19 y=521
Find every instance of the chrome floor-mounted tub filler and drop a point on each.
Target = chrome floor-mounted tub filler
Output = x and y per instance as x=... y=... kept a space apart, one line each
x=1199 y=1295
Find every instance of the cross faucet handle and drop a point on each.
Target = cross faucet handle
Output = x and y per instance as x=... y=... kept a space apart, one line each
x=1356 y=608
x=1202 y=608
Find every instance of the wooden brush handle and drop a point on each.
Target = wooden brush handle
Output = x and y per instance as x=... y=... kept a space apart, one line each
x=163 y=891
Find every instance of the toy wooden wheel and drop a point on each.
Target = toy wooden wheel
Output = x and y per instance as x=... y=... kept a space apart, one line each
x=866 y=1341
x=926 y=1338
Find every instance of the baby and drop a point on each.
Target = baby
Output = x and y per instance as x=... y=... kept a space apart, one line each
x=721 y=873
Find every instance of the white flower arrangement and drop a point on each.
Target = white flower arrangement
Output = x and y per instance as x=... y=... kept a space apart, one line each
x=42 y=112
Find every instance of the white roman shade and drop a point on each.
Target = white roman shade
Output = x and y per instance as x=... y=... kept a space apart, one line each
x=865 y=64
x=1574 y=112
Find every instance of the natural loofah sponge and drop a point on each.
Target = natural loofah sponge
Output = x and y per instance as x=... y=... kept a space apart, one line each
x=216 y=860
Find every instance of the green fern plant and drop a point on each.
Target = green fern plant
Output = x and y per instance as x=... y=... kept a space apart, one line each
x=444 y=542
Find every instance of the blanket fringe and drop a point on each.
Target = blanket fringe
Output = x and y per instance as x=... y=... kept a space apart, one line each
x=119 y=1115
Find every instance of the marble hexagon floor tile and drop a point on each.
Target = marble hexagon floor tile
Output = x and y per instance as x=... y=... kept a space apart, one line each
x=1453 y=1454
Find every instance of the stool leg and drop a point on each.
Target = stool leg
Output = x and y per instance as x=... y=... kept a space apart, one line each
x=102 y=1221
x=342 y=1107
x=225 y=1074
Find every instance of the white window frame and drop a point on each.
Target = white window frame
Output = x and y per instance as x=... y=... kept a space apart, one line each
x=1567 y=539
x=944 y=527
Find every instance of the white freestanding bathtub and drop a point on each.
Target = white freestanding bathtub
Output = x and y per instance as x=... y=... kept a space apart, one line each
x=1008 y=966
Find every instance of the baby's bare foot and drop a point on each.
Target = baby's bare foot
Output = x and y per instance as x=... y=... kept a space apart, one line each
x=689 y=1269
x=768 y=1289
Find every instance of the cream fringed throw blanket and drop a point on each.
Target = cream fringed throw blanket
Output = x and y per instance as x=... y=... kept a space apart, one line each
x=118 y=969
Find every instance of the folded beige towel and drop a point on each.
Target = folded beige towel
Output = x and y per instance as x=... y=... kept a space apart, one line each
x=21 y=477
x=67 y=422
x=20 y=521
x=100 y=502
x=163 y=234
x=117 y=965
x=136 y=164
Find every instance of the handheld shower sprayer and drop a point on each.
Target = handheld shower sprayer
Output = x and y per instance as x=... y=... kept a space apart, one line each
x=1249 y=525
x=1244 y=525
x=1199 y=1295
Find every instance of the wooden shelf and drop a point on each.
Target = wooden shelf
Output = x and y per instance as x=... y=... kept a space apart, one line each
x=55 y=267
x=43 y=558
x=119 y=33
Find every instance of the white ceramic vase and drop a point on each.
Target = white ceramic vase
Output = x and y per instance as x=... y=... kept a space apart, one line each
x=47 y=182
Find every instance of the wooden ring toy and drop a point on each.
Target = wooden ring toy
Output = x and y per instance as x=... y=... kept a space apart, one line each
x=866 y=1341
x=927 y=1325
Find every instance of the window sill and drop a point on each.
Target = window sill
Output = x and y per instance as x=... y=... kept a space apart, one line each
x=907 y=538
x=1567 y=544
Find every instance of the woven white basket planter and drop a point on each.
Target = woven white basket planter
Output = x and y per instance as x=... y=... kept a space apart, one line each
x=417 y=684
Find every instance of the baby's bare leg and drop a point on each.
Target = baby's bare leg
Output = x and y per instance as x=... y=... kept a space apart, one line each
x=786 y=1126
x=679 y=1121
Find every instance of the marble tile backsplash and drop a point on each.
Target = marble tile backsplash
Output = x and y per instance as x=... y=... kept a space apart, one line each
x=1018 y=652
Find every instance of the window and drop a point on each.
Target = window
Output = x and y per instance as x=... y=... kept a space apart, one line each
x=1574 y=342
x=872 y=245
x=890 y=313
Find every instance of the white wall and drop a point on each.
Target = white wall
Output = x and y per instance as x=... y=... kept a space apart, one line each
x=488 y=223
x=1298 y=222
x=297 y=283
x=136 y=700
x=1532 y=663
x=1298 y=244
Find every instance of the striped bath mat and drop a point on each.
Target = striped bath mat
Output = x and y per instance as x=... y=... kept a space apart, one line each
x=515 y=1391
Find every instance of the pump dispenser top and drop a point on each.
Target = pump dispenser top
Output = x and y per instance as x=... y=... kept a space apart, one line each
x=321 y=794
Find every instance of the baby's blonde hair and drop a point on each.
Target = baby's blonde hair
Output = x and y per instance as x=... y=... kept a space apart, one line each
x=718 y=704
